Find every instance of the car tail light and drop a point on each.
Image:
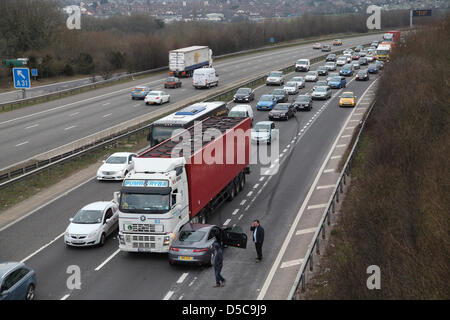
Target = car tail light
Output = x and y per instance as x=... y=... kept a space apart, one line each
x=174 y=249
x=201 y=250
x=157 y=98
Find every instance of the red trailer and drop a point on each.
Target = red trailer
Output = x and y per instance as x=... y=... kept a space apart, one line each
x=218 y=159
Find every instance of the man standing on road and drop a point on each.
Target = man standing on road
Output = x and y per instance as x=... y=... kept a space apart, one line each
x=218 y=263
x=258 y=238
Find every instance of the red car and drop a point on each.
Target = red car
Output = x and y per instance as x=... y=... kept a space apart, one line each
x=172 y=82
x=355 y=56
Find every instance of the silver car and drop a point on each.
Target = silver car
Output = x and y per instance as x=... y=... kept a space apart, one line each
x=276 y=78
x=321 y=93
x=330 y=65
x=312 y=76
x=300 y=81
x=291 y=87
x=193 y=244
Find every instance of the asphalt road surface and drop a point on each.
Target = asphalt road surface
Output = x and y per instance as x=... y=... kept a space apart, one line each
x=107 y=273
x=30 y=131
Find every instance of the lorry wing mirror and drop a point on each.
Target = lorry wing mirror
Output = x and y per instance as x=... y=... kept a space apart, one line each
x=116 y=198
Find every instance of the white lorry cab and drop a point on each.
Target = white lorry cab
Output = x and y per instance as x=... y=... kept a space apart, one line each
x=205 y=78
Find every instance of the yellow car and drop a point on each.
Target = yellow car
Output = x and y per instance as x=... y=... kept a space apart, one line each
x=337 y=42
x=348 y=99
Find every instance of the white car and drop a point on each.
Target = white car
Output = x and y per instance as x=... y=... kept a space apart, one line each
x=300 y=81
x=92 y=224
x=317 y=46
x=275 y=77
x=369 y=58
x=341 y=61
x=263 y=132
x=312 y=76
x=330 y=65
x=348 y=51
x=116 y=166
x=302 y=65
x=291 y=87
x=348 y=56
x=157 y=97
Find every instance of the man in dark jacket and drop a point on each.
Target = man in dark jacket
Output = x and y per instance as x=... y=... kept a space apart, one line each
x=258 y=238
x=218 y=263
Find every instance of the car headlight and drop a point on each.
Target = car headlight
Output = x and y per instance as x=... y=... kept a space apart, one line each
x=92 y=234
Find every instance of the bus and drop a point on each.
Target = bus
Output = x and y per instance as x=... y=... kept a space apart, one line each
x=162 y=129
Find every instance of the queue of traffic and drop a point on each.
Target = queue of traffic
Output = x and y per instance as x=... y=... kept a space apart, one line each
x=162 y=205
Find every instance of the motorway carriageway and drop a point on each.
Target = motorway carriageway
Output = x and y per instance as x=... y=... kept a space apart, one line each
x=107 y=273
x=28 y=132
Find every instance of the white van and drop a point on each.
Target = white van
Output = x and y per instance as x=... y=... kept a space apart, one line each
x=205 y=78
x=302 y=65
x=242 y=110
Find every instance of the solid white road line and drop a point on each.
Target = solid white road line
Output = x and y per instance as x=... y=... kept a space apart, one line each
x=107 y=260
x=305 y=231
x=326 y=187
x=73 y=114
x=42 y=248
x=340 y=145
x=289 y=235
x=107 y=115
x=33 y=126
x=65 y=297
x=291 y=263
x=168 y=295
x=317 y=206
x=21 y=144
x=346 y=136
x=183 y=276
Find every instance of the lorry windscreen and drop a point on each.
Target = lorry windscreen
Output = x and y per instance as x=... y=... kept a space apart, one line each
x=144 y=203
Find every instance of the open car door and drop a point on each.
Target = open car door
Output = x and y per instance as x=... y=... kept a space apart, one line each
x=234 y=237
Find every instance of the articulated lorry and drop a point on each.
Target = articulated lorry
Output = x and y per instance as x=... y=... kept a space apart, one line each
x=183 y=62
x=182 y=179
x=392 y=36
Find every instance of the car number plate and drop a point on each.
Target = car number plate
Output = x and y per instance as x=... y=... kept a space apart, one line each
x=184 y=258
x=143 y=250
x=77 y=241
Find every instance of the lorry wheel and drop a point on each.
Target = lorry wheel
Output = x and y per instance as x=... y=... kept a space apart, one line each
x=242 y=183
x=232 y=192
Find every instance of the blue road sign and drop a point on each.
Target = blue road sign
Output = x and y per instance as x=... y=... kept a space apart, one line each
x=272 y=40
x=34 y=72
x=21 y=78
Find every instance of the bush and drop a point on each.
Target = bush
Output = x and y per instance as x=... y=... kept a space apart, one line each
x=396 y=213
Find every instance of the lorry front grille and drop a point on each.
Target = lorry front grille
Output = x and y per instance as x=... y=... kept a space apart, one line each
x=144 y=228
x=147 y=245
x=143 y=238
